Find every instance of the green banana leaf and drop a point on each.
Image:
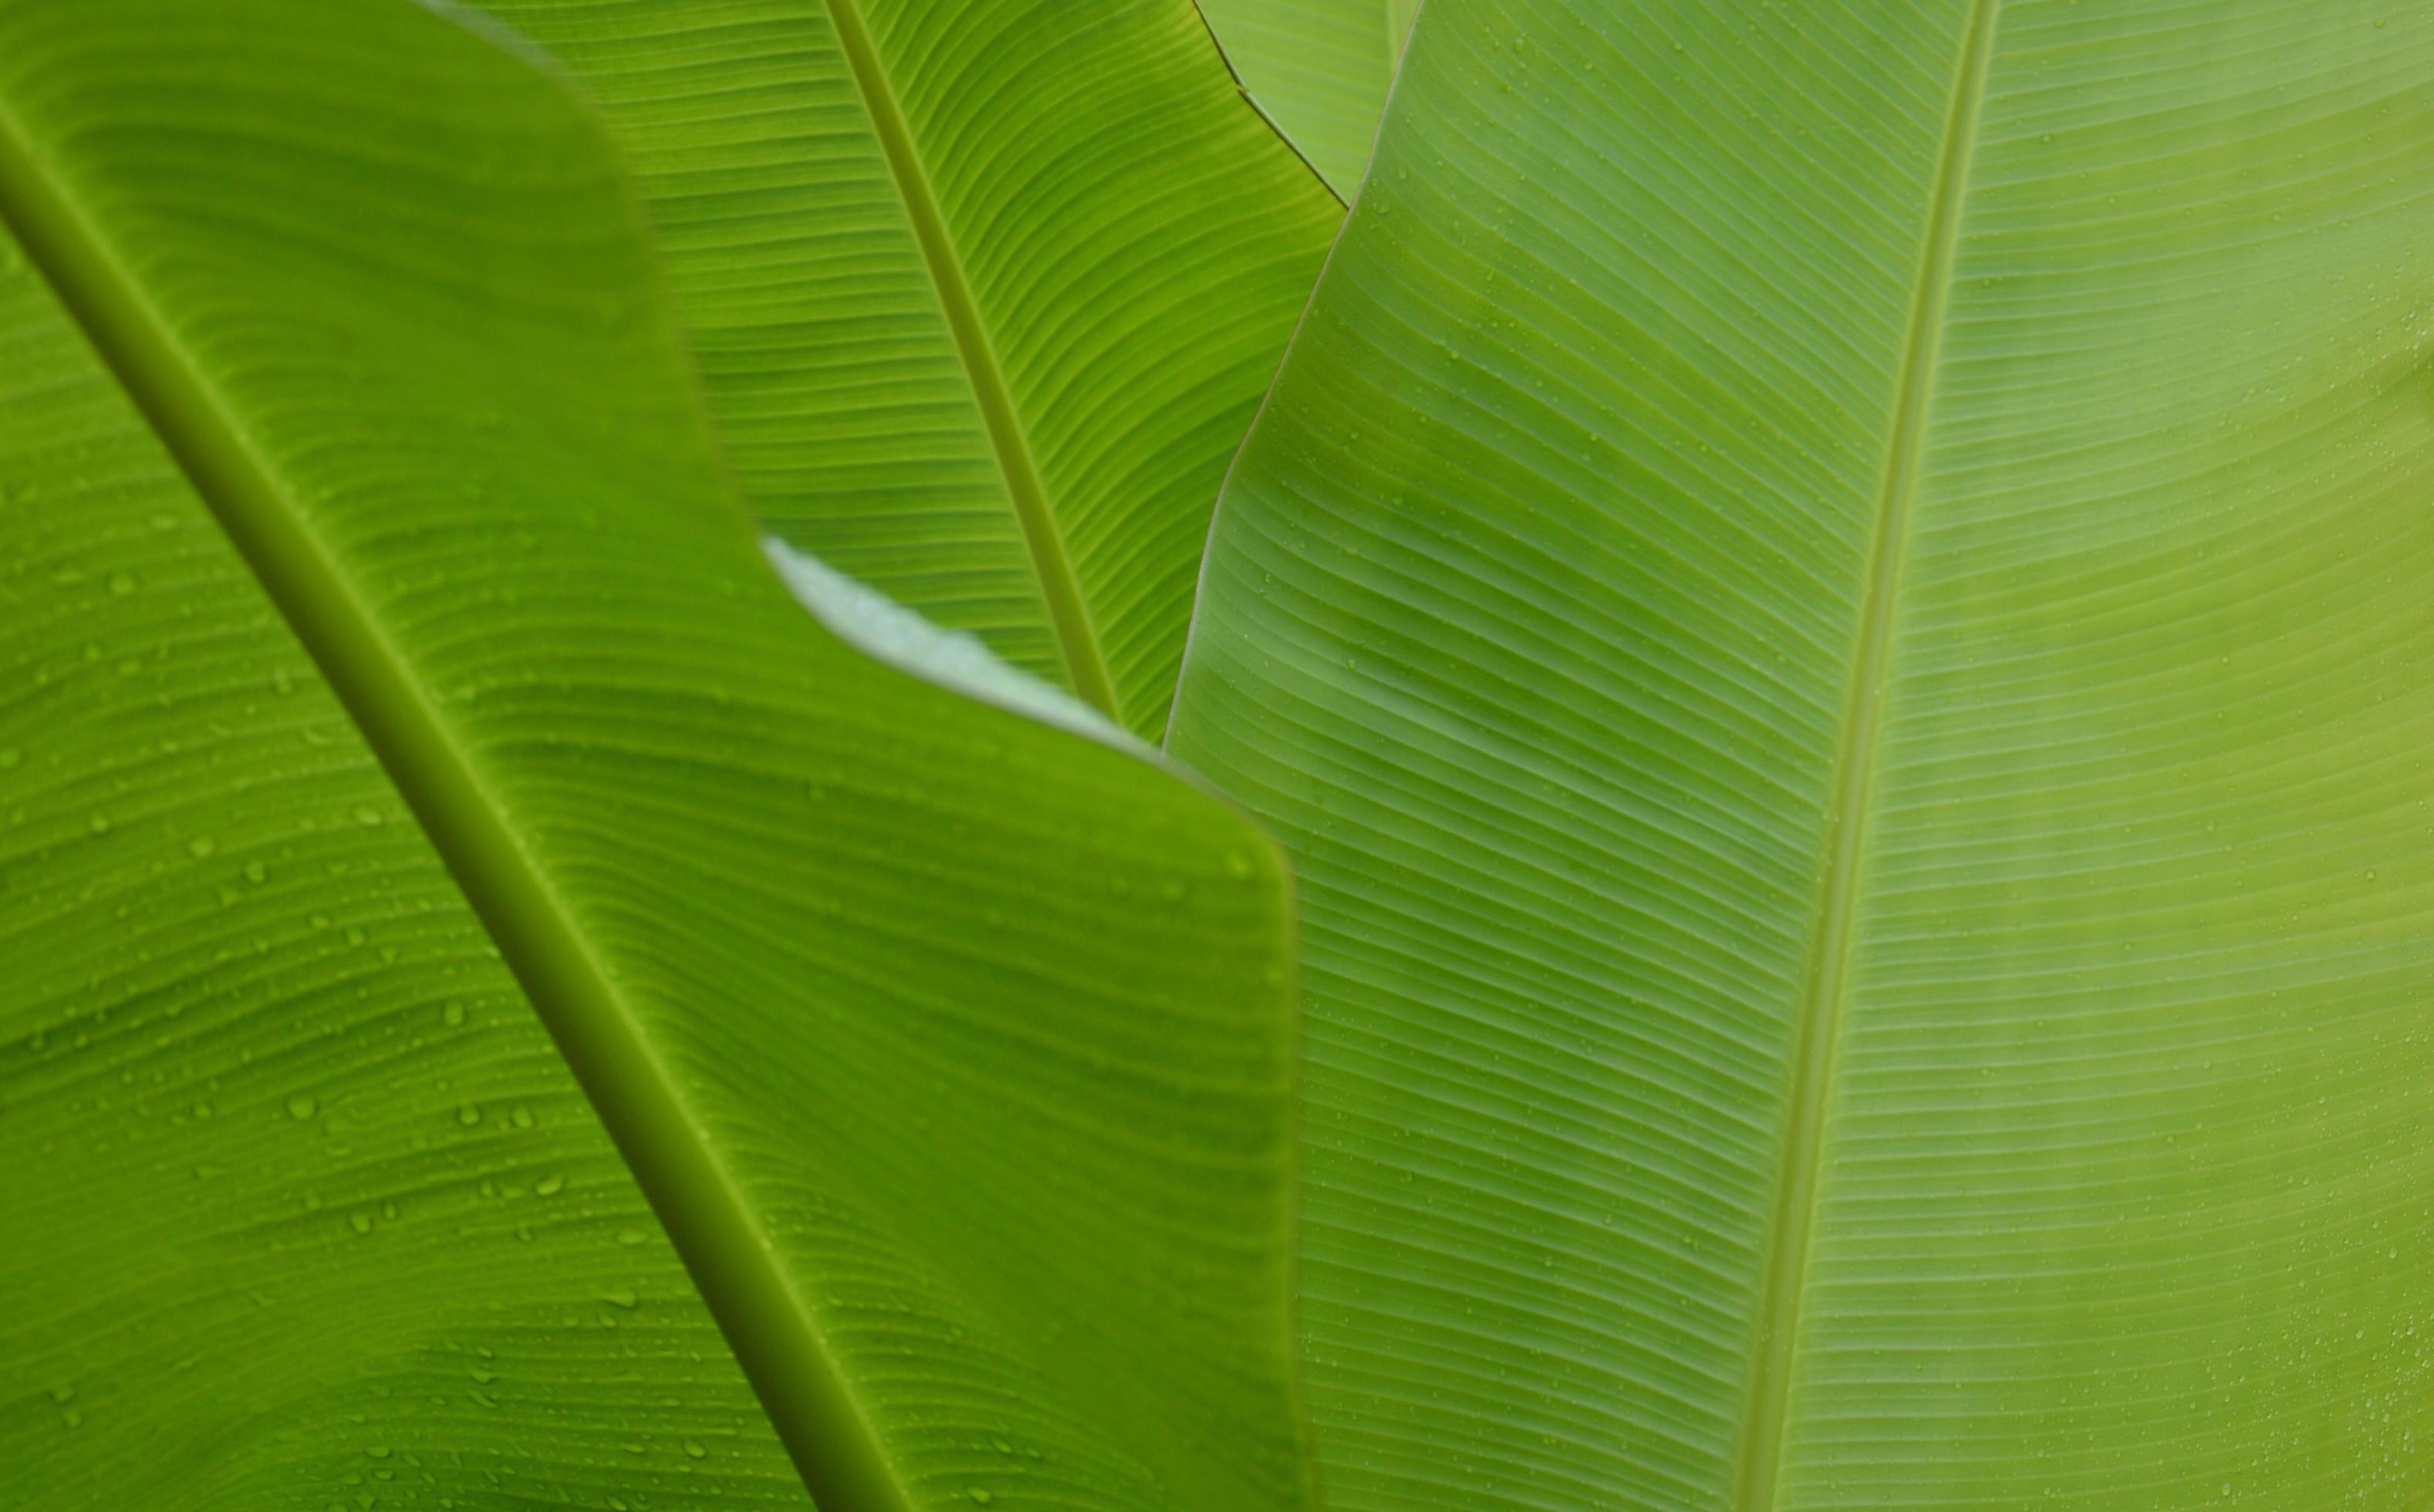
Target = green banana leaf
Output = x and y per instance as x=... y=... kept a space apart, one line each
x=1319 y=68
x=985 y=292
x=1836 y=602
x=392 y=687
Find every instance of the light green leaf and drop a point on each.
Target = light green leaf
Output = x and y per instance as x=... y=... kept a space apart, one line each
x=389 y=679
x=1319 y=68
x=983 y=292
x=1838 y=606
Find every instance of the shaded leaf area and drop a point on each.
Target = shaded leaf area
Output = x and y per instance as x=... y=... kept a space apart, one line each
x=1836 y=608
x=392 y=679
x=984 y=294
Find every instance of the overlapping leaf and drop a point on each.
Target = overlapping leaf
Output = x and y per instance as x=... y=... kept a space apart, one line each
x=1837 y=602
x=1319 y=68
x=984 y=291
x=388 y=676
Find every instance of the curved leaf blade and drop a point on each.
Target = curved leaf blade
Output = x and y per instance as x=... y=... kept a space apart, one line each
x=953 y=1050
x=1835 y=614
x=985 y=295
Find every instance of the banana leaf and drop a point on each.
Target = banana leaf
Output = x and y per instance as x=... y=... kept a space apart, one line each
x=984 y=291
x=1319 y=68
x=484 y=976
x=1836 y=601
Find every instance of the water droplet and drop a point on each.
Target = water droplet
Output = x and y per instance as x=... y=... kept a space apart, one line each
x=551 y=1185
x=979 y=1494
x=693 y=1449
x=256 y=872
x=469 y=1114
x=522 y=1117
x=98 y=824
x=122 y=584
x=621 y=1296
x=301 y=1108
x=452 y=1015
x=632 y=1238
x=63 y=1393
x=1237 y=864
x=360 y=1222
x=366 y=816
x=201 y=846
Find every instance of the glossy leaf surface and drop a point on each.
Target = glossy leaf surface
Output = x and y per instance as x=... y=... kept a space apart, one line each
x=389 y=675
x=984 y=291
x=1837 y=603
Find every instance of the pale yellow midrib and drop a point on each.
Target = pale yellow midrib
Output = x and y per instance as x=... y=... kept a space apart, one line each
x=1758 y=1463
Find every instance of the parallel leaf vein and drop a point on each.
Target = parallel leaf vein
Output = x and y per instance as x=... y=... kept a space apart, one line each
x=1757 y=1464
x=1084 y=661
x=775 y=1334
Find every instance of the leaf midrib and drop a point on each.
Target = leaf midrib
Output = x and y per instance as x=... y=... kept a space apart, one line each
x=1758 y=1462
x=773 y=1333
x=1008 y=439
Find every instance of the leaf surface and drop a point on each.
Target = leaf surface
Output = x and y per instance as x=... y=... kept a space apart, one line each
x=390 y=676
x=984 y=294
x=1838 y=607
x=1319 y=68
